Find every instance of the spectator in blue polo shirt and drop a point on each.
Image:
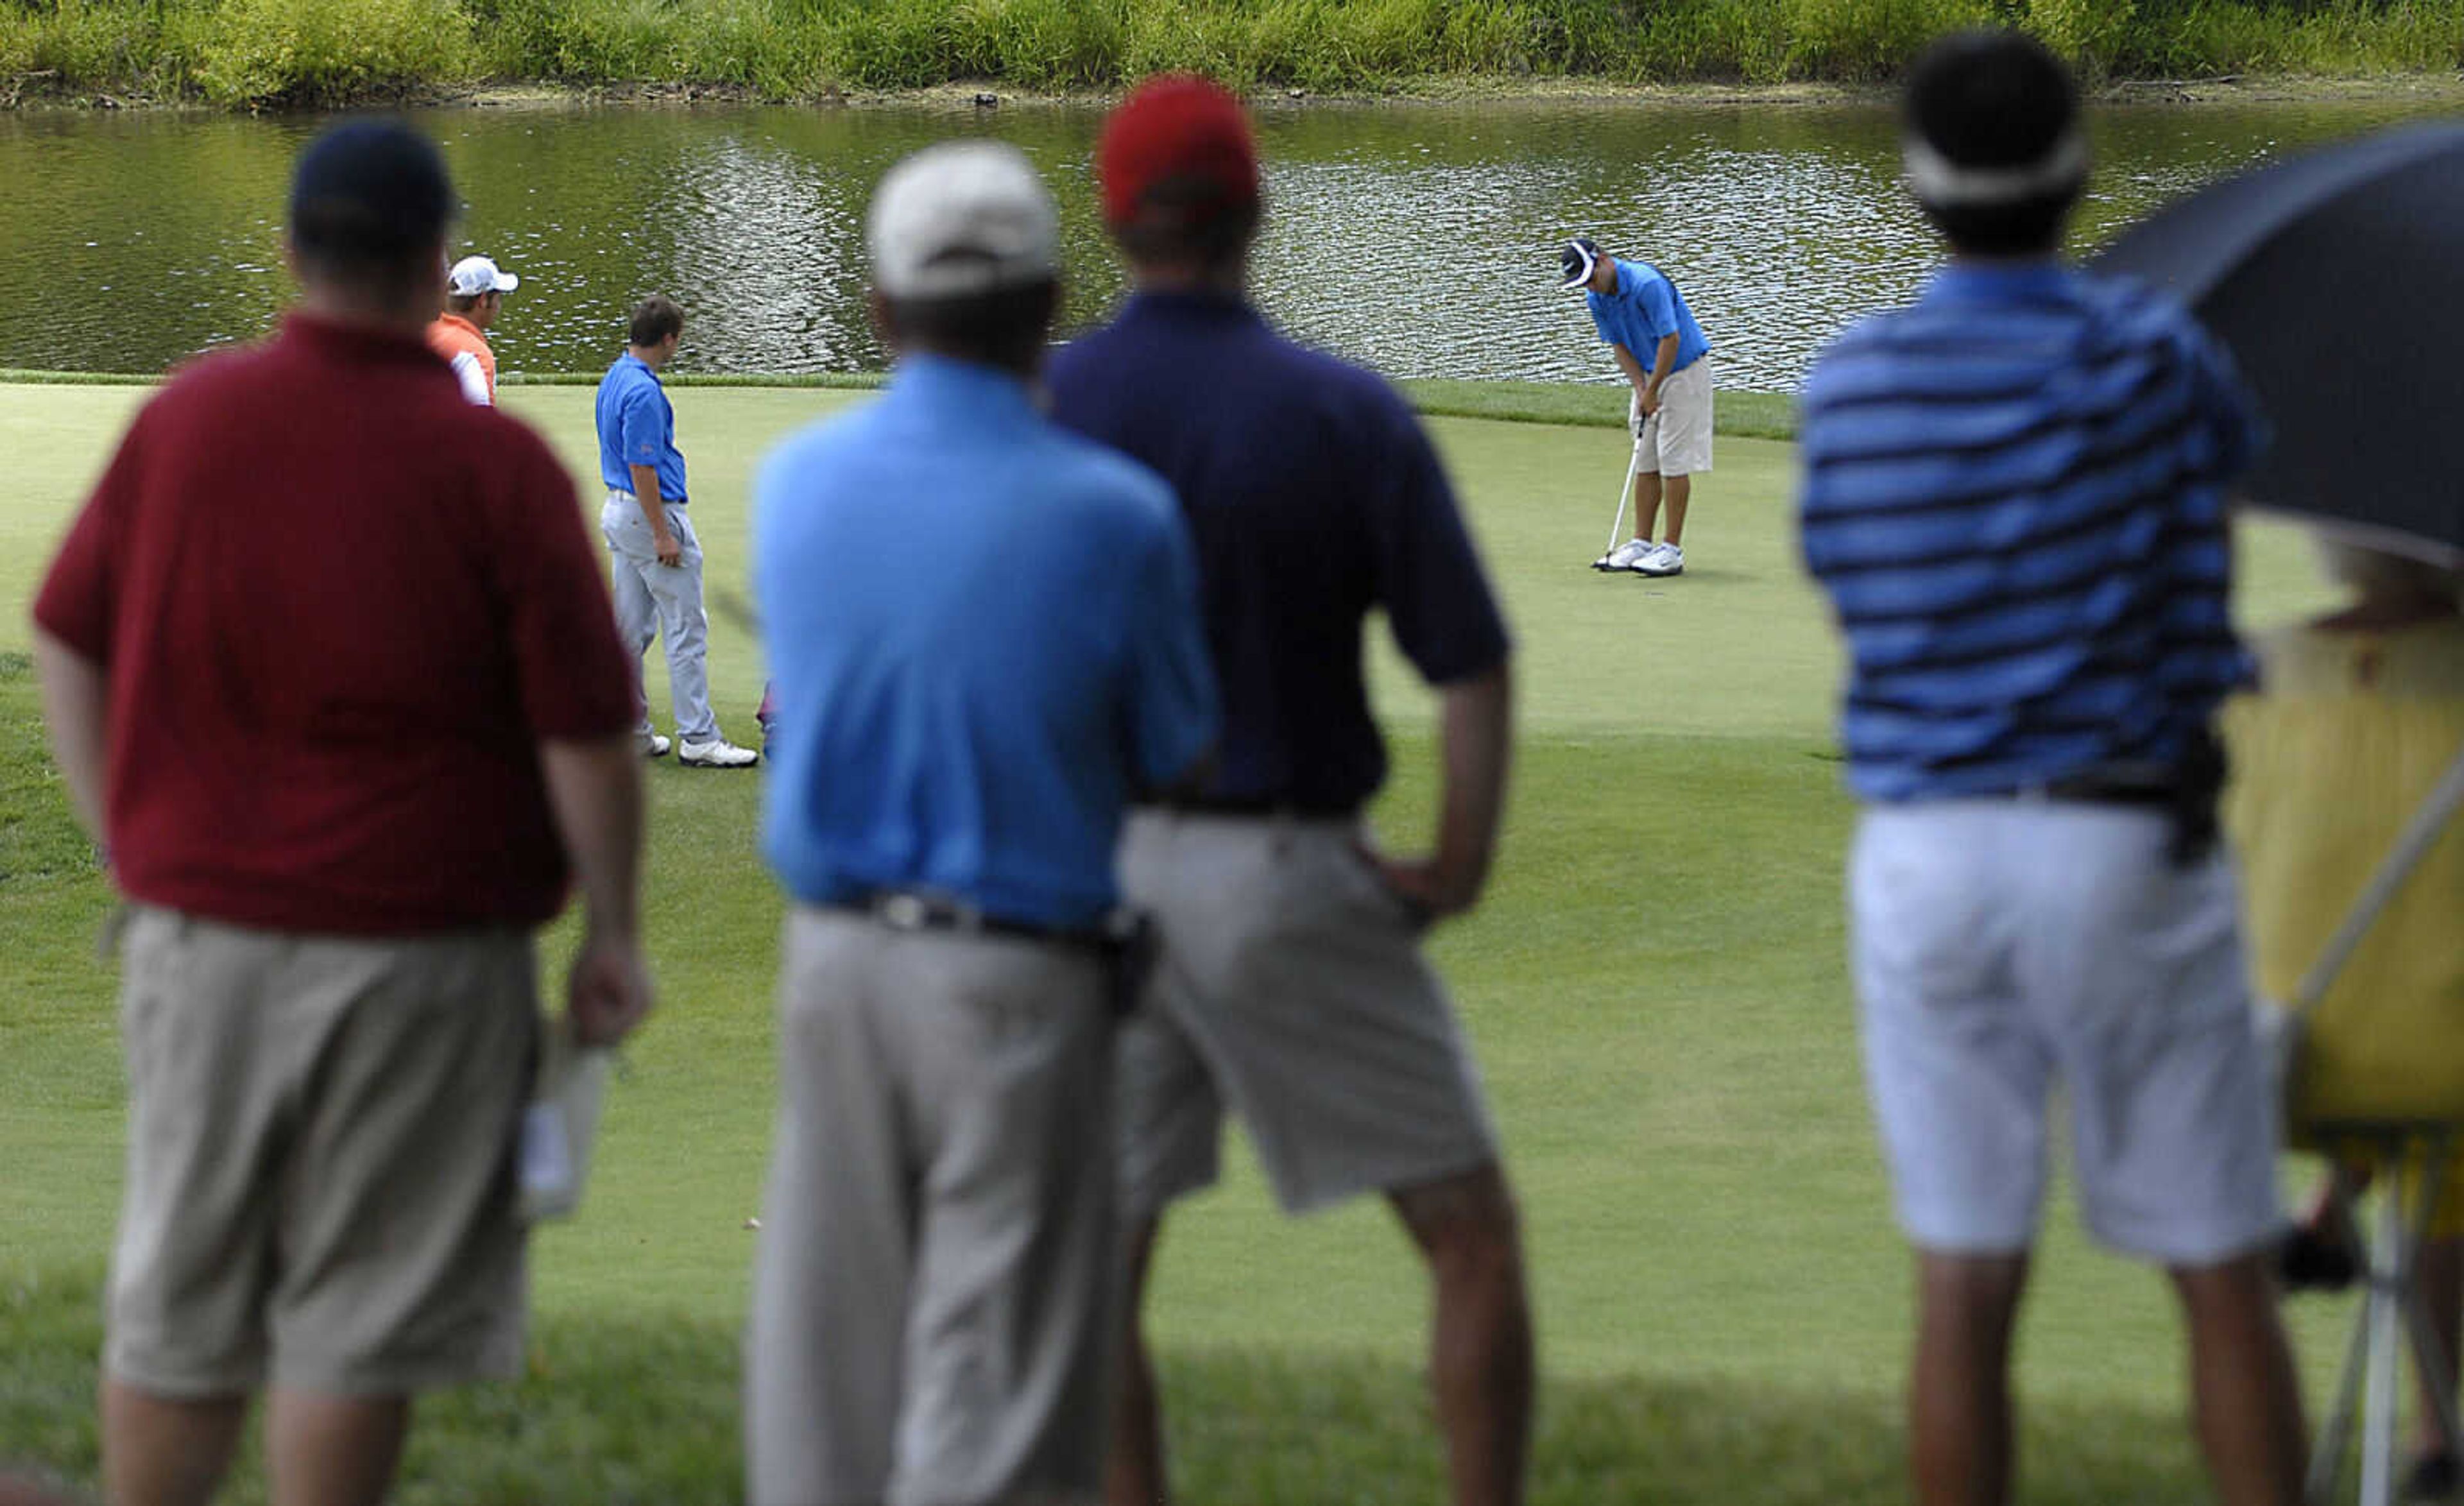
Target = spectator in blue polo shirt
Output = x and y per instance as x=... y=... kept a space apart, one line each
x=985 y=638
x=1293 y=990
x=651 y=538
x=2013 y=497
x=1661 y=351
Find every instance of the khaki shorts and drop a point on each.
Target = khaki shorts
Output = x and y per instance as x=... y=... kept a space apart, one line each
x=932 y=1319
x=321 y=1160
x=1677 y=439
x=1291 y=991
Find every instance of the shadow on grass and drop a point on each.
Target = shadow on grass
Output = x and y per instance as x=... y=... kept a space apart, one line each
x=628 y=1411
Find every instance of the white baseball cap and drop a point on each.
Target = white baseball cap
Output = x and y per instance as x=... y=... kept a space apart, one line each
x=960 y=219
x=472 y=276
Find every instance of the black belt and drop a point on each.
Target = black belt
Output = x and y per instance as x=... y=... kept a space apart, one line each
x=1260 y=807
x=2095 y=789
x=907 y=910
x=1125 y=942
x=2184 y=789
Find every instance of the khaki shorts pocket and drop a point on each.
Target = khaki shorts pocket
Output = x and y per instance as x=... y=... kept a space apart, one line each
x=1380 y=896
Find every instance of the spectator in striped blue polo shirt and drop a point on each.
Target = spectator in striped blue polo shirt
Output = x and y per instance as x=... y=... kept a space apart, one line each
x=2013 y=497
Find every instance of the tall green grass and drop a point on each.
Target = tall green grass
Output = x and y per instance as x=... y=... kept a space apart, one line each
x=300 y=52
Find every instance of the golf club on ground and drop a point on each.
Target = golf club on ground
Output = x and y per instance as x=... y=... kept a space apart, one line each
x=1616 y=525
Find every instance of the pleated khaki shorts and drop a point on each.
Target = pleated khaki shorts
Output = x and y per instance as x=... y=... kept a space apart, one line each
x=933 y=1298
x=320 y=1182
x=1290 y=990
x=1677 y=439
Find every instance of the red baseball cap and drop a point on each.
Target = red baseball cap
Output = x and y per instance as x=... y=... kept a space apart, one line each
x=1177 y=127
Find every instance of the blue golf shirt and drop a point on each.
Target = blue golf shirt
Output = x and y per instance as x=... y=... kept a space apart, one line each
x=1313 y=498
x=2014 y=496
x=637 y=426
x=984 y=637
x=1645 y=309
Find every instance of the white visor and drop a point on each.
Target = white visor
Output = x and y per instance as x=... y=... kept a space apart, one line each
x=1591 y=263
x=1936 y=180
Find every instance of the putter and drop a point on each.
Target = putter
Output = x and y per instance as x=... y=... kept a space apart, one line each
x=1616 y=525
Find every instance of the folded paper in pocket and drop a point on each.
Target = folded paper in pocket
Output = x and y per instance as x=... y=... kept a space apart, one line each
x=560 y=1124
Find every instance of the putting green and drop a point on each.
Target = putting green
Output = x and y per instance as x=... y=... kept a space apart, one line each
x=1655 y=986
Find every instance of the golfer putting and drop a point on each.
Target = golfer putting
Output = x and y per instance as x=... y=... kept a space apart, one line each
x=1643 y=321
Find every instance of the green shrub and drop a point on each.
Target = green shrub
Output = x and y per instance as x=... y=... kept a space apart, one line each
x=316 y=51
x=1743 y=40
x=1381 y=39
x=1052 y=44
x=1489 y=36
x=79 y=45
x=733 y=41
x=2406 y=36
x=2208 y=38
x=795 y=64
x=2089 y=33
x=1862 y=39
x=1207 y=39
x=1282 y=43
x=617 y=39
x=252 y=51
x=904 y=44
x=520 y=38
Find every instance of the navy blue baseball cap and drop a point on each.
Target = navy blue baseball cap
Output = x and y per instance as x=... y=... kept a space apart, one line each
x=369 y=192
x=1576 y=261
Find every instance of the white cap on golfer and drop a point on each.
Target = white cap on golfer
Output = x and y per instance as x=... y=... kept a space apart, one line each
x=961 y=219
x=472 y=276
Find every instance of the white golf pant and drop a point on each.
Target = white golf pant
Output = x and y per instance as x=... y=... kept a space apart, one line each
x=663 y=600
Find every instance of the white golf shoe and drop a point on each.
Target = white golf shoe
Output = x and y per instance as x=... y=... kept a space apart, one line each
x=717 y=753
x=1624 y=555
x=1665 y=559
x=655 y=744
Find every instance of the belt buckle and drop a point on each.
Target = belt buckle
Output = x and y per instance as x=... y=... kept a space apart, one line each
x=903 y=912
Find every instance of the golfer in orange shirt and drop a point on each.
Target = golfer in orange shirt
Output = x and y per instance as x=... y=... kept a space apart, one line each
x=474 y=292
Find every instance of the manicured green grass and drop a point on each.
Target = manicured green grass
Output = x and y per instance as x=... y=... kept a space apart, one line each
x=1749 y=415
x=1654 y=987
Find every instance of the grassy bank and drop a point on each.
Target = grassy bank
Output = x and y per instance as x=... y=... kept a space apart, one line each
x=300 y=52
x=1654 y=986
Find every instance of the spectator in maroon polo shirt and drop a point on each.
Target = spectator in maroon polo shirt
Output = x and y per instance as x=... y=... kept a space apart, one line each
x=327 y=659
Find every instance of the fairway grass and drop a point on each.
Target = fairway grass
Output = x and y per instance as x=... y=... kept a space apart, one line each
x=1654 y=987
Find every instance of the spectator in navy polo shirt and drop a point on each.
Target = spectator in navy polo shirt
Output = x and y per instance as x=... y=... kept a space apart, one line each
x=1661 y=351
x=1293 y=990
x=2014 y=498
x=985 y=634
x=327 y=659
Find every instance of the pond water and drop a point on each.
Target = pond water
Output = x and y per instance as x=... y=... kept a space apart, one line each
x=1418 y=237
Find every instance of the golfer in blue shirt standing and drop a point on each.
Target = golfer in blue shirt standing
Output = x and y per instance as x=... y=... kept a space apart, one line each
x=651 y=538
x=1293 y=990
x=986 y=639
x=1643 y=321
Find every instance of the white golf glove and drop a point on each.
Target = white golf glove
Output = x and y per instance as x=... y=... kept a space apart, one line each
x=1634 y=416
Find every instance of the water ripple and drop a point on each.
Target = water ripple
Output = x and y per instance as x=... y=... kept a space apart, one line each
x=1420 y=239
